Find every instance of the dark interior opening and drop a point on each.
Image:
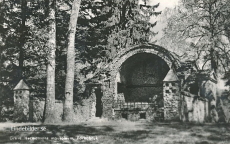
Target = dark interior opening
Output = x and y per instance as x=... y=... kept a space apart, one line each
x=142 y=115
x=98 y=102
x=194 y=88
x=124 y=115
x=141 y=77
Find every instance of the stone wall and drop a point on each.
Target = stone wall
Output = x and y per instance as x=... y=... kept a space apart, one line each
x=37 y=109
x=59 y=110
x=86 y=109
x=149 y=115
x=223 y=107
x=193 y=108
x=171 y=95
x=37 y=106
x=83 y=111
x=110 y=93
x=134 y=111
x=21 y=105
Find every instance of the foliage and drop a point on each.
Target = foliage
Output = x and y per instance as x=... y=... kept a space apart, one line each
x=113 y=26
x=200 y=24
x=6 y=103
x=103 y=29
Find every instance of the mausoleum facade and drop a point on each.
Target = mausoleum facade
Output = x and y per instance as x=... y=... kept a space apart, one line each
x=144 y=82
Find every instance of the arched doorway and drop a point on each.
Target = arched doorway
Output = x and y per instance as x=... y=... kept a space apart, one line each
x=151 y=62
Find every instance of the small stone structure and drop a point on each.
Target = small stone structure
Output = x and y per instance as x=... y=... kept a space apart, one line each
x=171 y=92
x=136 y=76
x=21 y=102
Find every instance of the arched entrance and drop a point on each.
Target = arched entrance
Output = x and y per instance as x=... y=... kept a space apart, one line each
x=138 y=73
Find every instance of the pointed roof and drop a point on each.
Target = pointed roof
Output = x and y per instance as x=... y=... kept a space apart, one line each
x=21 y=86
x=171 y=76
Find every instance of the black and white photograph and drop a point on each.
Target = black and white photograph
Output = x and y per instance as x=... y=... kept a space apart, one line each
x=115 y=71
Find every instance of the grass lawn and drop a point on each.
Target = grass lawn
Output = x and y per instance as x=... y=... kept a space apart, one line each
x=117 y=132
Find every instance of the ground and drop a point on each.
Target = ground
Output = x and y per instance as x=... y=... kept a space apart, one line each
x=117 y=132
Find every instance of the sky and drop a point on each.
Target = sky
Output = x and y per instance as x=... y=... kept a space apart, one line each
x=164 y=4
x=160 y=24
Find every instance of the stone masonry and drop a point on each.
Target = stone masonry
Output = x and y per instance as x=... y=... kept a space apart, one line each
x=136 y=75
x=171 y=94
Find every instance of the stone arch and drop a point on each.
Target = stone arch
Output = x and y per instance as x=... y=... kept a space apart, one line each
x=152 y=49
x=116 y=64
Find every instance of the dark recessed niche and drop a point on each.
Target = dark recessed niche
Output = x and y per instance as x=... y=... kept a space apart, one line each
x=173 y=84
x=120 y=88
x=142 y=115
x=167 y=84
x=166 y=91
x=124 y=115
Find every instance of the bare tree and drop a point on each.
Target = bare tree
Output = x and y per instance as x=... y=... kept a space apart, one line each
x=201 y=24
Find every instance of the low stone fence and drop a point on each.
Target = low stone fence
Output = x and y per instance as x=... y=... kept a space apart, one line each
x=85 y=110
x=37 y=106
x=34 y=111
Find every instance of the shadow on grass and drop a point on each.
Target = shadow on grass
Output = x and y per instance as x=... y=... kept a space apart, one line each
x=134 y=135
x=206 y=133
x=220 y=132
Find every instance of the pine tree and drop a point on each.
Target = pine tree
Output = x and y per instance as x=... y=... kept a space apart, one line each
x=115 y=25
x=131 y=23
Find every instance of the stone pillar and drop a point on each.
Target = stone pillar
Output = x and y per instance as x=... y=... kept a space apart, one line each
x=21 y=102
x=107 y=100
x=171 y=94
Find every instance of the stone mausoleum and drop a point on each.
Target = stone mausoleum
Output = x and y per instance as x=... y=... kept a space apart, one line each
x=144 y=82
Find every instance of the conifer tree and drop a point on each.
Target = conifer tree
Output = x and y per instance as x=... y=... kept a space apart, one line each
x=116 y=25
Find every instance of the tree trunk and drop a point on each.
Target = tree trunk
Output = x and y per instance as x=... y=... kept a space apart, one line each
x=22 y=38
x=68 y=104
x=50 y=95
